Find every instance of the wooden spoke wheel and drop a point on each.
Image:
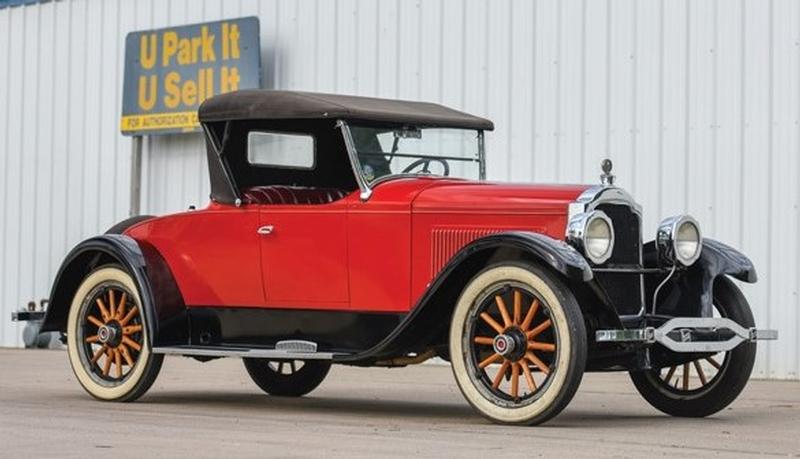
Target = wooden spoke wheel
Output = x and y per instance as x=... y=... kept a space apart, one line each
x=703 y=385
x=112 y=332
x=107 y=337
x=693 y=376
x=287 y=378
x=517 y=344
x=513 y=343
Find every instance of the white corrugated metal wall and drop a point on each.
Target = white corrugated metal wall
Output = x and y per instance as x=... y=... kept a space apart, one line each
x=697 y=102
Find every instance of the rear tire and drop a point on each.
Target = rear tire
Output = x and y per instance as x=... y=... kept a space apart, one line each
x=116 y=363
x=517 y=343
x=715 y=393
x=302 y=376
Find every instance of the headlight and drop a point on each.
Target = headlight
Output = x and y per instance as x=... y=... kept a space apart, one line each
x=679 y=240
x=593 y=234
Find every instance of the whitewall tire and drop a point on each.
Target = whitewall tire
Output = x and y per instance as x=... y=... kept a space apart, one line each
x=107 y=337
x=517 y=343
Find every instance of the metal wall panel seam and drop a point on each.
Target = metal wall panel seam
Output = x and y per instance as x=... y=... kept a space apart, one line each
x=797 y=226
x=50 y=246
x=82 y=99
x=18 y=248
x=770 y=145
x=743 y=120
x=715 y=114
x=35 y=103
x=661 y=126
x=608 y=95
x=634 y=87
x=582 y=123
x=6 y=110
x=534 y=78
x=99 y=133
x=118 y=63
x=687 y=96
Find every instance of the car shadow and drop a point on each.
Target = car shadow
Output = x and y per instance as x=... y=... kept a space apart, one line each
x=453 y=413
x=314 y=404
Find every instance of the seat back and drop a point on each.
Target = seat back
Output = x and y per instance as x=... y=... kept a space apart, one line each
x=282 y=194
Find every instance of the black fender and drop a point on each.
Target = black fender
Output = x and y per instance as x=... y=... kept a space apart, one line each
x=120 y=227
x=717 y=259
x=692 y=292
x=162 y=303
x=433 y=310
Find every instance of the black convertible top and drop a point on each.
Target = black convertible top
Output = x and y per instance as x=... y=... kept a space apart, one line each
x=260 y=104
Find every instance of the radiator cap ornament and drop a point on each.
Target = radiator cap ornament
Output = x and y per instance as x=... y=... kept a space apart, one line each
x=607 y=178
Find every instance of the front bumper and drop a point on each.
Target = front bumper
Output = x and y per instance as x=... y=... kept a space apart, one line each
x=689 y=334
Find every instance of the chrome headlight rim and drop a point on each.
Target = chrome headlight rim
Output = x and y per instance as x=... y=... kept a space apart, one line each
x=667 y=240
x=578 y=228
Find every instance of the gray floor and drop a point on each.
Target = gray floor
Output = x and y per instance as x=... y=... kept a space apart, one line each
x=213 y=410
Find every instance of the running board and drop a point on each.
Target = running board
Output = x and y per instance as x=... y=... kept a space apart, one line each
x=245 y=352
x=686 y=334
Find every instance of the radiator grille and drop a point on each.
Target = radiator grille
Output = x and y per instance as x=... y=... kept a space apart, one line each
x=623 y=289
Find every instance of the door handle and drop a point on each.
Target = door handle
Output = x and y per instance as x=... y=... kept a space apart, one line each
x=265 y=230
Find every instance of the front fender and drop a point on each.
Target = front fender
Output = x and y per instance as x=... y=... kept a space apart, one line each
x=431 y=314
x=715 y=260
x=557 y=254
x=692 y=293
x=719 y=258
x=162 y=303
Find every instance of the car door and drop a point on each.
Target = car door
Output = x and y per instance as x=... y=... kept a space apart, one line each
x=304 y=255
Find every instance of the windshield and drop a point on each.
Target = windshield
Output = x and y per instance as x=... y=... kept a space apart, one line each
x=389 y=151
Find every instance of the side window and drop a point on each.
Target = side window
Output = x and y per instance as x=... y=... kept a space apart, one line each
x=273 y=149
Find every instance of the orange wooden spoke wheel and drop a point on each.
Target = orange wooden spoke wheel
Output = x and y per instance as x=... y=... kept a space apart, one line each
x=112 y=333
x=513 y=343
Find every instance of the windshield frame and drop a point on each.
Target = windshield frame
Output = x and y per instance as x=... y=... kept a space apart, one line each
x=366 y=186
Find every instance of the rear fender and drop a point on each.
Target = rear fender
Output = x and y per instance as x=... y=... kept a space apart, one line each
x=162 y=302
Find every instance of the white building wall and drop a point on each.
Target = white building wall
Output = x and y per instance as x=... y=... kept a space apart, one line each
x=695 y=101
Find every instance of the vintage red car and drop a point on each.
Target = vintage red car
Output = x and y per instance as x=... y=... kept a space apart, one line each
x=360 y=231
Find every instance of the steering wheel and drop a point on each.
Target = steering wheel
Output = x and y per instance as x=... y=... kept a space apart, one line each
x=425 y=162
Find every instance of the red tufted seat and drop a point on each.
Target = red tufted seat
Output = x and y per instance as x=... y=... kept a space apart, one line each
x=282 y=194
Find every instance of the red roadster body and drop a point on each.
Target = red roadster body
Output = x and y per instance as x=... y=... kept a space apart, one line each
x=362 y=231
x=370 y=256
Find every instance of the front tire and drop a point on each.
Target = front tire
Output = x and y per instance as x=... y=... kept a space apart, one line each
x=287 y=378
x=518 y=365
x=107 y=337
x=719 y=378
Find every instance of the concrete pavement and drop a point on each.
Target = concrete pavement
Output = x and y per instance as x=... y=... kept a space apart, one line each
x=212 y=409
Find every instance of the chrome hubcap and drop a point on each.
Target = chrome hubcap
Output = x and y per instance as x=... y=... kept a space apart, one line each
x=108 y=334
x=504 y=345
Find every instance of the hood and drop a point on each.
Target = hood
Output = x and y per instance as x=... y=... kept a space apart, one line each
x=497 y=197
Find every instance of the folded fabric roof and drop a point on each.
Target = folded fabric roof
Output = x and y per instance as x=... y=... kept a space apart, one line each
x=273 y=104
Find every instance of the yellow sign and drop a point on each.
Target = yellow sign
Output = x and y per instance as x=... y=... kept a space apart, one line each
x=170 y=72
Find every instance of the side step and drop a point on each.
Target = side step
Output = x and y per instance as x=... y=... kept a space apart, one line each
x=283 y=351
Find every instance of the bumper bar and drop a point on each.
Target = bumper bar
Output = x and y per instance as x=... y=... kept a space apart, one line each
x=27 y=316
x=690 y=334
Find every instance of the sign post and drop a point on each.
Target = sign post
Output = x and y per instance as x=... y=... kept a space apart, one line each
x=136 y=175
x=169 y=72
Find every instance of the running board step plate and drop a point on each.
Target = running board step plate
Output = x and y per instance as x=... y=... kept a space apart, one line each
x=286 y=353
x=684 y=334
